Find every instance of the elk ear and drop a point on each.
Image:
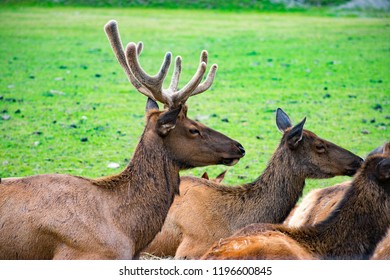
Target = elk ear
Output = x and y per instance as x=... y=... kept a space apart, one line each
x=294 y=136
x=205 y=176
x=386 y=148
x=185 y=109
x=220 y=177
x=151 y=104
x=167 y=121
x=383 y=170
x=282 y=120
x=376 y=151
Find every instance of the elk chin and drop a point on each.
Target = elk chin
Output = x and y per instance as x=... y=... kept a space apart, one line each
x=350 y=172
x=353 y=168
x=230 y=161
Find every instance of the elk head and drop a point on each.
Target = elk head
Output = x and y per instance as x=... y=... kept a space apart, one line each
x=320 y=158
x=378 y=167
x=190 y=143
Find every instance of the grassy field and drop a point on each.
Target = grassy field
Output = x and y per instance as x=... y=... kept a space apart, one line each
x=67 y=107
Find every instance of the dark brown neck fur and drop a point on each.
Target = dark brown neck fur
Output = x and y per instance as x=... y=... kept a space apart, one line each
x=279 y=187
x=138 y=190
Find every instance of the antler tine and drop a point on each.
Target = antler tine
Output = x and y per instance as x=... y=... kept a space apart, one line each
x=193 y=87
x=176 y=75
x=204 y=56
x=140 y=46
x=153 y=84
x=111 y=29
x=182 y=95
x=208 y=82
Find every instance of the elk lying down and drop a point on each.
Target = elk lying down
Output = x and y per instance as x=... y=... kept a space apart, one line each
x=351 y=231
x=56 y=216
x=206 y=211
x=319 y=203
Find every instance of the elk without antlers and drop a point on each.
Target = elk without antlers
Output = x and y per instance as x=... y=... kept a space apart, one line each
x=55 y=216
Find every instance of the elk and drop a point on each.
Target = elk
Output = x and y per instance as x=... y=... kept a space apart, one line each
x=206 y=211
x=319 y=203
x=351 y=231
x=56 y=216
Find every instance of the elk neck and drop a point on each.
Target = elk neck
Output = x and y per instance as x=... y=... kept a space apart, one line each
x=137 y=191
x=270 y=198
x=364 y=206
x=280 y=185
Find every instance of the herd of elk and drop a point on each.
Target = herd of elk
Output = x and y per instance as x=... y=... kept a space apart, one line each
x=206 y=211
x=149 y=208
x=55 y=216
x=352 y=231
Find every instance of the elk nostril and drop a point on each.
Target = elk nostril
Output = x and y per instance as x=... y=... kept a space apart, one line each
x=241 y=148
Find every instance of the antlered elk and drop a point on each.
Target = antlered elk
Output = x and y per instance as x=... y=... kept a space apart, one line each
x=319 y=203
x=207 y=211
x=351 y=231
x=56 y=216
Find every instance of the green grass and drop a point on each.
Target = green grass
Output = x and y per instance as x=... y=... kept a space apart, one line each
x=165 y=4
x=60 y=83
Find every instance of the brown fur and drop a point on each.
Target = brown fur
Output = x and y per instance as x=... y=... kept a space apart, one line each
x=278 y=246
x=317 y=205
x=165 y=244
x=352 y=231
x=206 y=211
x=382 y=250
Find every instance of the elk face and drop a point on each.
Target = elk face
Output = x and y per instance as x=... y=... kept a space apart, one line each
x=317 y=157
x=327 y=159
x=193 y=144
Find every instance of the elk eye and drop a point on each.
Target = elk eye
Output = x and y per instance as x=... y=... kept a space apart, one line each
x=320 y=148
x=194 y=131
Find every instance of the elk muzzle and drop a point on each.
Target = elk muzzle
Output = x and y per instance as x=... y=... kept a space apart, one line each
x=232 y=160
x=354 y=167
